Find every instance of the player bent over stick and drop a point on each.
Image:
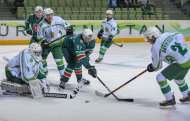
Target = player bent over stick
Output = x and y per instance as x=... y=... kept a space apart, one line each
x=170 y=48
x=25 y=70
x=50 y=29
x=73 y=48
x=106 y=34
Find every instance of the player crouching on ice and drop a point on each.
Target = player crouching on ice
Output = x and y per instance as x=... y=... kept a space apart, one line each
x=170 y=48
x=25 y=73
x=73 y=48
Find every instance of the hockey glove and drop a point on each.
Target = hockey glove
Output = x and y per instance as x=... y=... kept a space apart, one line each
x=150 y=68
x=110 y=38
x=29 y=31
x=92 y=71
x=69 y=30
x=45 y=44
x=99 y=35
x=88 y=58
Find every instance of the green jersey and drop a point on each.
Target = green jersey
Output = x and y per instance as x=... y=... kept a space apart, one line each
x=31 y=23
x=78 y=48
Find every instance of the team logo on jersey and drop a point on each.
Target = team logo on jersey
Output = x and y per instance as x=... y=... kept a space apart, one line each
x=52 y=34
x=35 y=27
x=107 y=29
x=31 y=60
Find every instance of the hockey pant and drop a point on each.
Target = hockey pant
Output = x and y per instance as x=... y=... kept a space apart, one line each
x=176 y=73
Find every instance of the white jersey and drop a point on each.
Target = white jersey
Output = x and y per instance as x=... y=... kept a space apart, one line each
x=53 y=30
x=170 y=48
x=109 y=28
x=24 y=66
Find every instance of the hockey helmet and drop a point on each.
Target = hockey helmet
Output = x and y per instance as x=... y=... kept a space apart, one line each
x=109 y=12
x=152 y=34
x=87 y=35
x=39 y=9
x=48 y=11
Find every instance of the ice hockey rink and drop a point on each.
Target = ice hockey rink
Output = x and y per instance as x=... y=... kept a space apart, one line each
x=118 y=66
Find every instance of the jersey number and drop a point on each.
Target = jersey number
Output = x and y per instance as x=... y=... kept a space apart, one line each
x=79 y=47
x=178 y=47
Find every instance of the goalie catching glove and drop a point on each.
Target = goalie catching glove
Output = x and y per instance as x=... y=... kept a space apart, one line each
x=92 y=71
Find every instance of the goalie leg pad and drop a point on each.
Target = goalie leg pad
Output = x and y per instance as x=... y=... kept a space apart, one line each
x=14 y=87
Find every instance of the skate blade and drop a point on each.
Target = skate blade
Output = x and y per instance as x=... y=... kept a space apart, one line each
x=170 y=107
x=186 y=102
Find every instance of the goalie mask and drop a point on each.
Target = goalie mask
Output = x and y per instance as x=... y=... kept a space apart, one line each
x=35 y=51
x=87 y=35
x=152 y=34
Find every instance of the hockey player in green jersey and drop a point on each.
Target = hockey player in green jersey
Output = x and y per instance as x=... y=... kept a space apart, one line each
x=31 y=23
x=50 y=29
x=76 y=50
x=170 y=48
x=106 y=34
x=26 y=68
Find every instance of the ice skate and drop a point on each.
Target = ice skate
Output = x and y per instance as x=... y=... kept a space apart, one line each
x=85 y=81
x=185 y=99
x=168 y=104
x=98 y=60
x=62 y=85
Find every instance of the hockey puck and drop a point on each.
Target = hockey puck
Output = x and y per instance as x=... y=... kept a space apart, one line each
x=87 y=101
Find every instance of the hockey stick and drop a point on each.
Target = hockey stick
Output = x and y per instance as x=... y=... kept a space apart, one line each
x=57 y=39
x=120 y=45
x=111 y=92
x=126 y=100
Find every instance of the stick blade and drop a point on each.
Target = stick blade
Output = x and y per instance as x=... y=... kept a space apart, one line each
x=99 y=94
x=127 y=100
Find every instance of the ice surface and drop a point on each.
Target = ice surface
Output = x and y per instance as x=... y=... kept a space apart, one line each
x=118 y=66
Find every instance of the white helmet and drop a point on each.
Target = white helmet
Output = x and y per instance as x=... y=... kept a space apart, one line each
x=109 y=12
x=48 y=11
x=39 y=8
x=152 y=32
x=36 y=51
x=87 y=33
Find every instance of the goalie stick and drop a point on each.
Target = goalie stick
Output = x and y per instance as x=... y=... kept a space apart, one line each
x=119 y=99
x=112 y=92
